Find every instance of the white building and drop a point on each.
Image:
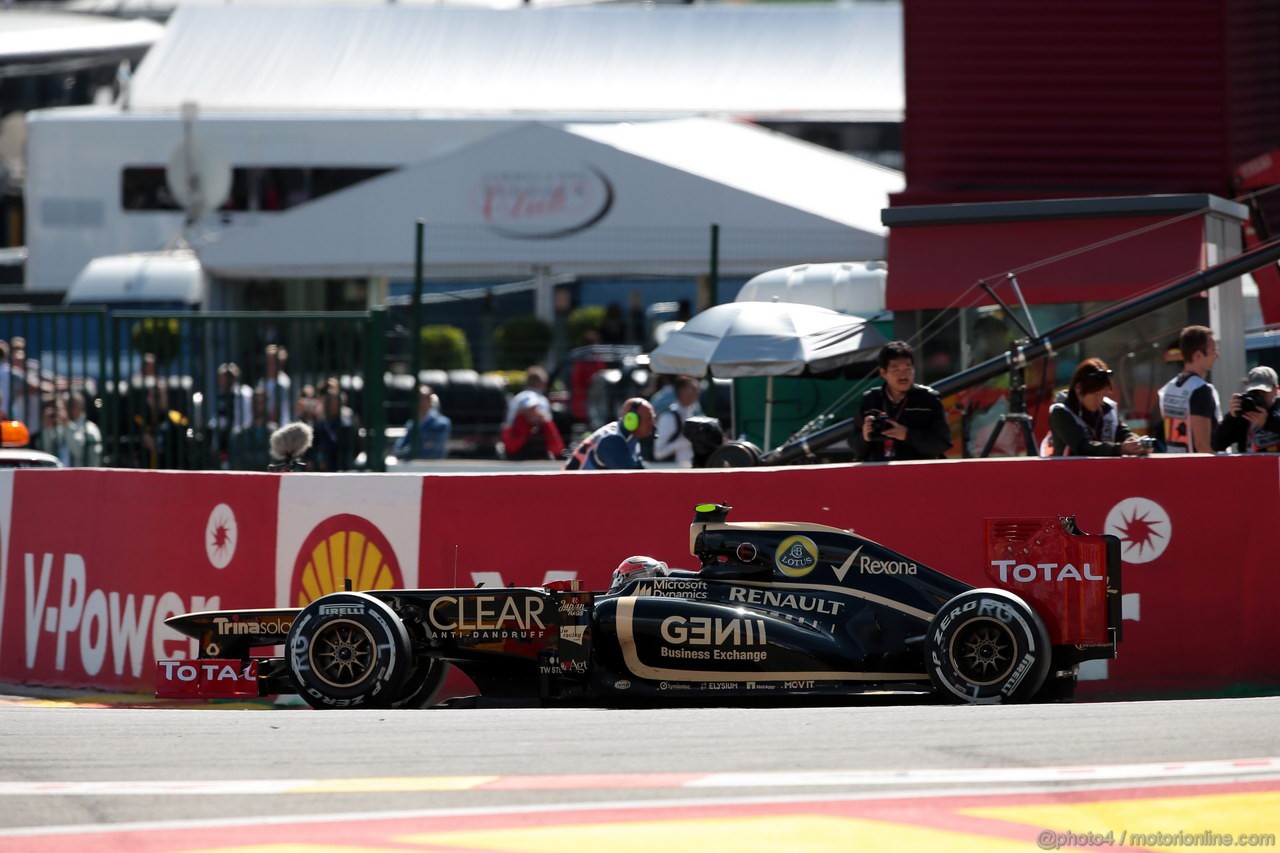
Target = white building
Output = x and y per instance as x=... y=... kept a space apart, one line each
x=598 y=141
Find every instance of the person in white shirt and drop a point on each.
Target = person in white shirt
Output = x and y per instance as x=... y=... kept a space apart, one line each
x=1189 y=405
x=84 y=439
x=670 y=442
x=534 y=394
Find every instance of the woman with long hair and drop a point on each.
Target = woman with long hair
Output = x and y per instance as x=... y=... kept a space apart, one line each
x=1084 y=420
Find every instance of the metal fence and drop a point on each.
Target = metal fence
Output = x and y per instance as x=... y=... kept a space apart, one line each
x=204 y=391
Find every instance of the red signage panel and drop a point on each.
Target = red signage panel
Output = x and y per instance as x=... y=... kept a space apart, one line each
x=97 y=560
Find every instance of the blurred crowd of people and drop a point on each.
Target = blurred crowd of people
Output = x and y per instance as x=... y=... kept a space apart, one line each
x=244 y=417
x=159 y=430
x=164 y=422
x=55 y=414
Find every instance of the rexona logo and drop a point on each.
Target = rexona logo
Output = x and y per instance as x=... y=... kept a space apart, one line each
x=869 y=566
x=1055 y=572
x=796 y=556
x=341 y=547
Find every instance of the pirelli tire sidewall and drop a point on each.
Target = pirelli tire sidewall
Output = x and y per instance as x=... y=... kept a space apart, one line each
x=987 y=646
x=348 y=650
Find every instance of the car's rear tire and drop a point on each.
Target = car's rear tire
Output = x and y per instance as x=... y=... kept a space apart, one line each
x=735 y=454
x=349 y=650
x=987 y=646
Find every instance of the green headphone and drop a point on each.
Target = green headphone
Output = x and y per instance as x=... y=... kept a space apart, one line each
x=630 y=420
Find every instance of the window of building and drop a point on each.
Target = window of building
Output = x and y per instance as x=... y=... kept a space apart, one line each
x=253 y=188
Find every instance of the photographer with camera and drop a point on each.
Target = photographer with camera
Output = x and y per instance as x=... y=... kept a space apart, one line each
x=900 y=419
x=1084 y=421
x=1252 y=424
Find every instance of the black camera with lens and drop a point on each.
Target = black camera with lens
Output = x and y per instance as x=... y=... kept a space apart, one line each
x=880 y=422
x=1147 y=442
x=1252 y=401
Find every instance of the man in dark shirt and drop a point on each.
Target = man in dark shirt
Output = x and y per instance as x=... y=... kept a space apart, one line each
x=616 y=445
x=1252 y=422
x=912 y=423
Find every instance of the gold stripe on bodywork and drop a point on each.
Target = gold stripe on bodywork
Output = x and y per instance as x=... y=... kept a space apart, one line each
x=627 y=642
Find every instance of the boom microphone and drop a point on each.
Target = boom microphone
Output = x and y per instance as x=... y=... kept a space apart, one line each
x=290 y=442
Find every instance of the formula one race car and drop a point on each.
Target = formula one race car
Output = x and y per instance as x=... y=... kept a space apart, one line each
x=776 y=610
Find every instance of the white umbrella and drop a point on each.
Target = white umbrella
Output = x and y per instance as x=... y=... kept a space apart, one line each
x=766 y=339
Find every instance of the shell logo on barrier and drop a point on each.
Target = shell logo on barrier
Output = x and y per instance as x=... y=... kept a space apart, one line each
x=796 y=556
x=340 y=547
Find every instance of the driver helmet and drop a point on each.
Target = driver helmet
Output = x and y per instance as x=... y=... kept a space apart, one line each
x=636 y=568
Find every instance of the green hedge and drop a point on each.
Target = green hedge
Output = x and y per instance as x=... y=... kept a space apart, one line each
x=444 y=348
x=522 y=341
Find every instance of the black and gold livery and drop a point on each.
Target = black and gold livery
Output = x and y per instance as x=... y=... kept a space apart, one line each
x=774 y=610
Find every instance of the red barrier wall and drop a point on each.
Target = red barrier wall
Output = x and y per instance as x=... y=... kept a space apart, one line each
x=91 y=561
x=96 y=560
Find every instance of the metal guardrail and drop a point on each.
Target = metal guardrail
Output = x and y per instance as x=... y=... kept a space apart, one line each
x=161 y=391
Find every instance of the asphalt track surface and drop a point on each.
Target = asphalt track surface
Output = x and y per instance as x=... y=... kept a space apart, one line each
x=530 y=779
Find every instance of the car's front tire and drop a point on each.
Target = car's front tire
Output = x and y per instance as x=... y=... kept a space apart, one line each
x=349 y=650
x=987 y=646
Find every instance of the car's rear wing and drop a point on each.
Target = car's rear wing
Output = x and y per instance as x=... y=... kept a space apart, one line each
x=1071 y=578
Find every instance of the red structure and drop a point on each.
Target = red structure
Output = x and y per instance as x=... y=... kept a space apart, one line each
x=1008 y=100
x=1070 y=98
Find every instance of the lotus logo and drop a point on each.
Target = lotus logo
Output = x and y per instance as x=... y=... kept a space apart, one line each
x=796 y=556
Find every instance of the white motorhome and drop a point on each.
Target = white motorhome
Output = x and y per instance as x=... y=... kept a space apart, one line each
x=162 y=281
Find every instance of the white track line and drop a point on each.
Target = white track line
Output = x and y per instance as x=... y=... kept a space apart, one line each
x=825 y=779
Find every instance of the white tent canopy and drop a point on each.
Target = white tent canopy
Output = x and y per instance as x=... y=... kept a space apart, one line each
x=831 y=61
x=581 y=199
x=161 y=9
x=42 y=36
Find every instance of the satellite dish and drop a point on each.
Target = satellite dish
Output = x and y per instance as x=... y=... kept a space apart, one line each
x=199 y=176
